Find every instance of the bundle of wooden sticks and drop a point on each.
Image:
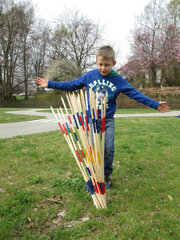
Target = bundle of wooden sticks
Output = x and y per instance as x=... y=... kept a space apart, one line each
x=81 y=129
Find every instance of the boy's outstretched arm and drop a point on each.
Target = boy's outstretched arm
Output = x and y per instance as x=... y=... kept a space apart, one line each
x=163 y=107
x=41 y=82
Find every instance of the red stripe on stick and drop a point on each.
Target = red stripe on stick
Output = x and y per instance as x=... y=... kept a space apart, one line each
x=95 y=186
x=82 y=153
x=78 y=156
x=61 y=127
x=69 y=119
x=65 y=129
x=103 y=124
x=82 y=122
x=103 y=187
x=87 y=123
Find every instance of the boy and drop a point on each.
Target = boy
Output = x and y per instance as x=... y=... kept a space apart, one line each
x=104 y=80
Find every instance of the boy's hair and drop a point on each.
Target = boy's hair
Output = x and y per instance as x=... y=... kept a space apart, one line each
x=106 y=52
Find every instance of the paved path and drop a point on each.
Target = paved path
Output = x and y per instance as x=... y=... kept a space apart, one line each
x=46 y=124
x=49 y=123
x=158 y=114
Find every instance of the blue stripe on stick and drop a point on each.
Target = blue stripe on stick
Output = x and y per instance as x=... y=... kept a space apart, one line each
x=94 y=125
x=68 y=128
x=78 y=118
x=88 y=171
x=75 y=121
x=98 y=131
x=76 y=136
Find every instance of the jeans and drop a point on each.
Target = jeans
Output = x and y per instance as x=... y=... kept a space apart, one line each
x=109 y=144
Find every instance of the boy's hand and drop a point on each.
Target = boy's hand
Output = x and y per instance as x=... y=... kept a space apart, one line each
x=163 y=107
x=41 y=82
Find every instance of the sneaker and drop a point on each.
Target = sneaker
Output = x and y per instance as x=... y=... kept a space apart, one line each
x=108 y=181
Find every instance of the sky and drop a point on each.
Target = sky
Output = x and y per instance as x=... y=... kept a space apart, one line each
x=118 y=17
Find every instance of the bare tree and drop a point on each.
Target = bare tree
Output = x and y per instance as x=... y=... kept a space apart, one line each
x=28 y=20
x=75 y=39
x=15 y=20
x=40 y=50
x=174 y=12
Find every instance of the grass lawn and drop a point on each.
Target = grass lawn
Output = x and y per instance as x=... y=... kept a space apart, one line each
x=42 y=192
x=19 y=98
x=6 y=117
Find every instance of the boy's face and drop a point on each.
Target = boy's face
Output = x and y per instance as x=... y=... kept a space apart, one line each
x=104 y=65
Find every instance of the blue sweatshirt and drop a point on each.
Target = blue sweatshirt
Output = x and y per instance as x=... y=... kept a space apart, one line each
x=111 y=85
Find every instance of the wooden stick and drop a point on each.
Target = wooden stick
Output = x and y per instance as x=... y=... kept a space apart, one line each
x=73 y=106
x=101 y=184
x=75 y=156
x=92 y=152
x=83 y=138
x=83 y=104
